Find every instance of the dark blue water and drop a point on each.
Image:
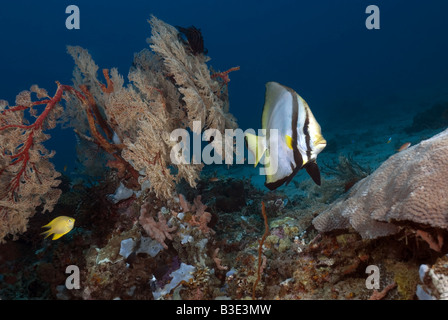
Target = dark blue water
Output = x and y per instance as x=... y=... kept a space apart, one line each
x=320 y=48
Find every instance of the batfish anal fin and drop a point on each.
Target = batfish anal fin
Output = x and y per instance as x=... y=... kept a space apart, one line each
x=313 y=171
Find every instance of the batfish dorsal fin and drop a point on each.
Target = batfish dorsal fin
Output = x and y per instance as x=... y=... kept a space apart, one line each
x=274 y=92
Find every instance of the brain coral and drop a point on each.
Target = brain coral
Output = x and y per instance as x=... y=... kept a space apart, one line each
x=411 y=185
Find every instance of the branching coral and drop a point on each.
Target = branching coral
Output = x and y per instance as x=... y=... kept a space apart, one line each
x=193 y=78
x=260 y=248
x=27 y=177
x=88 y=116
x=410 y=186
x=170 y=88
x=218 y=261
x=347 y=170
x=158 y=230
x=200 y=217
x=378 y=295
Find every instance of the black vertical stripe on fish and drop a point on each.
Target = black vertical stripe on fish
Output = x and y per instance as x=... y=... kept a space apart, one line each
x=306 y=132
x=295 y=119
x=311 y=167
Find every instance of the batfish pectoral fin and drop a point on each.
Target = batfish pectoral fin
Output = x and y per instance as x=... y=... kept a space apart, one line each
x=313 y=171
x=288 y=140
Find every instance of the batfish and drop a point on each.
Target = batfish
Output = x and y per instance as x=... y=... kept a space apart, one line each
x=299 y=137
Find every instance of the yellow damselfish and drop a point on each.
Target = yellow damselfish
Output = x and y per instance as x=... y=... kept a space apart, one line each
x=59 y=226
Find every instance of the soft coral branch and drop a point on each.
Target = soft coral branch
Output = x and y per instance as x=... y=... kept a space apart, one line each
x=22 y=157
x=94 y=118
x=37 y=125
x=27 y=177
x=224 y=76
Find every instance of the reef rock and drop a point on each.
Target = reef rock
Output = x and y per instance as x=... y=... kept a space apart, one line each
x=434 y=280
x=412 y=185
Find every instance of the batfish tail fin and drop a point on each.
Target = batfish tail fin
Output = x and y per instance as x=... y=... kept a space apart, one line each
x=256 y=145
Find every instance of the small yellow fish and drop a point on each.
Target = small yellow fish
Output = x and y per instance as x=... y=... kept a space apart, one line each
x=59 y=226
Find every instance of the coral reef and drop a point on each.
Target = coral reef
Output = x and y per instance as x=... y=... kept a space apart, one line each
x=170 y=88
x=219 y=256
x=148 y=227
x=411 y=186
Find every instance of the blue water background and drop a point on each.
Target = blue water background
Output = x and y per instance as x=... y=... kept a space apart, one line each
x=349 y=75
